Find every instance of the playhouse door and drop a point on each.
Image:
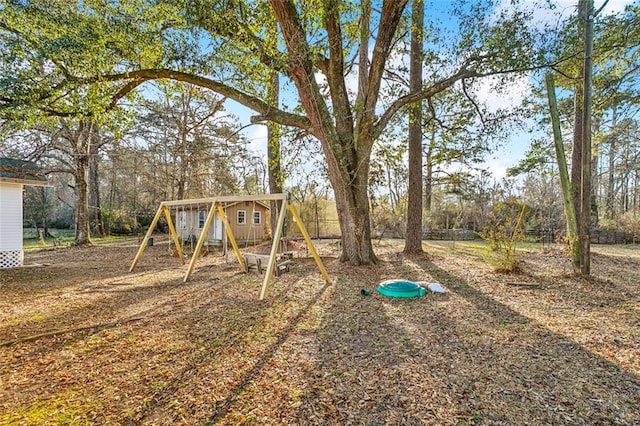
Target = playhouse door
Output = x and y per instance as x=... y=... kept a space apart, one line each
x=217 y=228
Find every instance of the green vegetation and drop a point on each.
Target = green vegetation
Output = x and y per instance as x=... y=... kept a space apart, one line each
x=64 y=409
x=59 y=238
x=122 y=114
x=503 y=232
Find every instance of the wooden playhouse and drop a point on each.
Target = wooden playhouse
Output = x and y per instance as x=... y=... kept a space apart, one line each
x=249 y=222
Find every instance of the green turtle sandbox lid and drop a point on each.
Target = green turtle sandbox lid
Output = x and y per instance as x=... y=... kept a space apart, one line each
x=400 y=289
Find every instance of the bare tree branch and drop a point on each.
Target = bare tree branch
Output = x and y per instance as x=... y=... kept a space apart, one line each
x=432 y=90
x=267 y=111
x=473 y=102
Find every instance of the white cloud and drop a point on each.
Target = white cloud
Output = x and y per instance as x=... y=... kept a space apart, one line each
x=321 y=79
x=508 y=156
x=509 y=97
x=257 y=137
x=613 y=6
x=565 y=8
x=497 y=167
x=351 y=81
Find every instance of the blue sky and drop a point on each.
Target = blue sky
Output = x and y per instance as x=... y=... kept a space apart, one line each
x=509 y=154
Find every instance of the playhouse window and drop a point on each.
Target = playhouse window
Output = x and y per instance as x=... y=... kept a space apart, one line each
x=242 y=217
x=201 y=217
x=257 y=218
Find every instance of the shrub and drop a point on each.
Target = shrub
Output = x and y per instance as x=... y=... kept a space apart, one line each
x=118 y=222
x=503 y=231
x=630 y=222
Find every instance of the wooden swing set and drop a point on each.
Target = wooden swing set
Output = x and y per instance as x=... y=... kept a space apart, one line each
x=272 y=266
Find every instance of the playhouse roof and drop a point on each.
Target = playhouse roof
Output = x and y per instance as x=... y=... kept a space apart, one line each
x=260 y=203
x=20 y=171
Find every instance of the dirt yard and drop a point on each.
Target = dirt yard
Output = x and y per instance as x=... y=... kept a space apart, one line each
x=83 y=341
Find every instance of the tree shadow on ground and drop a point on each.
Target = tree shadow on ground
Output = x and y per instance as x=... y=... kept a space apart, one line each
x=463 y=358
x=318 y=354
x=105 y=307
x=601 y=289
x=224 y=328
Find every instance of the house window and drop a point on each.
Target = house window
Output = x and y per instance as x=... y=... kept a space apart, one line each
x=257 y=217
x=201 y=218
x=183 y=220
x=242 y=217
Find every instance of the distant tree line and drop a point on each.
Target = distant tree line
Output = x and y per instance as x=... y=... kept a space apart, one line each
x=377 y=108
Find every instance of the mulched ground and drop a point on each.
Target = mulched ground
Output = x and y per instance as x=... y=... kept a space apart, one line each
x=83 y=341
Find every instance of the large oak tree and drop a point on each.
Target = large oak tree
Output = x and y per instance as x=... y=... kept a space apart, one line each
x=222 y=45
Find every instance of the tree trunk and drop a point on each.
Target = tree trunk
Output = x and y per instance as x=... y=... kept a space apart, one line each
x=345 y=134
x=413 y=239
x=565 y=185
x=577 y=152
x=111 y=202
x=80 y=139
x=363 y=53
x=633 y=195
x=95 y=211
x=593 y=199
x=352 y=203
x=275 y=171
x=428 y=179
x=274 y=163
x=45 y=212
x=610 y=194
x=81 y=189
x=586 y=8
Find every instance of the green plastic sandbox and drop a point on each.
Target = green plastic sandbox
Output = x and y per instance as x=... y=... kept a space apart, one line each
x=400 y=289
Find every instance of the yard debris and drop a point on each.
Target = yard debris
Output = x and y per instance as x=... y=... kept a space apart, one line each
x=432 y=287
x=209 y=352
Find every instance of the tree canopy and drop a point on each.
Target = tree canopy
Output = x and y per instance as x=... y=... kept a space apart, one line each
x=82 y=58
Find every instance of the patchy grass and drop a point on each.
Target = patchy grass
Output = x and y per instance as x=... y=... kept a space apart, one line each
x=62 y=238
x=62 y=409
x=84 y=341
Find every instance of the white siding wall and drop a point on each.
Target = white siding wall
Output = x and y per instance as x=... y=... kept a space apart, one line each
x=188 y=222
x=11 y=254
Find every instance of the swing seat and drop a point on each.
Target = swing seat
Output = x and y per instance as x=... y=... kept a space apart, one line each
x=260 y=262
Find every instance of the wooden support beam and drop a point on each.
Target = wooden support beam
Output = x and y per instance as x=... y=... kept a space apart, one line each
x=199 y=244
x=232 y=239
x=274 y=248
x=307 y=239
x=173 y=233
x=143 y=245
x=225 y=199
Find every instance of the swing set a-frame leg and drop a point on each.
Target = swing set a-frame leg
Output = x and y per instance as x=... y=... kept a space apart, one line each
x=274 y=248
x=276 y=239
x=174 y=234
x=230 y=237
x=162 y=209
x=310 y=245
x=154 y=222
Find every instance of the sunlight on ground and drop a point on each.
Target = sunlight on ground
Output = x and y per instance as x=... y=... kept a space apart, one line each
x=542 y=347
